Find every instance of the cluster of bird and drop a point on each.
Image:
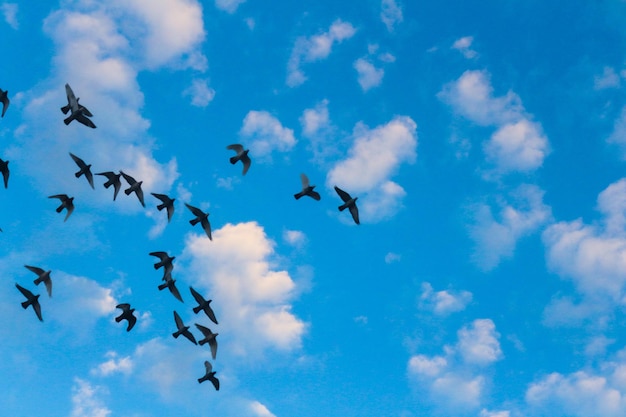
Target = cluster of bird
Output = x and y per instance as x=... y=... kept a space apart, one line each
x=82 y=115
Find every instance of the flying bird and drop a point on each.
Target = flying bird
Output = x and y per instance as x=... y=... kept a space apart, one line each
x=242 y=155
x=113 y=179
x=203 y=305
x=135 y=186
x=84 y=169
x=307 y=189
x=126 y=314
x=165 y=262
x=182 y=329
x=42 y=276
x=210 y=376
x=78 y=111
x=167 y=203
x=202 y=218
x=349 y=203
x=170 y=284
x=31 y=300
x=209 y=337
x=4 y=98
x=4 y=168
x=66 y=203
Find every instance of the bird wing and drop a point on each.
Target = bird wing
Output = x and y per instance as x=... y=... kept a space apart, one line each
x=208 y=367
x=344 y=196
x=48 y=283
x=123 y=306
x=71 y=98
x=179 y=321
x=35 y=269
x=355 y=213
x=305 y=180
x=175 y=291
x=189 y=336
x=215 y=382
x=195 y=210
x=209 y=311
x=70 y=210
x=235 y=147
x=246 y=163
x=196 y=295
x=213 y=346
x=85 y=110
x=24 y=291
x=162 y=197
x=5 y=175
x=160 y=254
x=130 y=180
x=315 y=195
x=89 y=176
x=139 y=193
x=205 y=330
x=131 y=322
x=5 y=105
x=207 y=227
x=61 y=197
x=85 y=120
x=81 y=164
x=37 y=308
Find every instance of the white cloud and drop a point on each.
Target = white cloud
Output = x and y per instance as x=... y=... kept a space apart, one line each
x=391 y=14
x=429 y=366
x=478 y=343
x=315 y=120
x=9 y=11
x=463 y=45
x=229 y=6
x=368 y=75
x=608 y=79
x=618 y=135
x=519 y=146
x=86 y=401
x=200 y=92
x=295 y=238
x=391 y=257
x=321 y=134
x=267 y=134
x=260 y=410
x=487 y=413
x=114 y=364
x=444 y=302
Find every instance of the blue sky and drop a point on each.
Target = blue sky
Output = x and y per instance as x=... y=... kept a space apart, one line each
x=486 y=143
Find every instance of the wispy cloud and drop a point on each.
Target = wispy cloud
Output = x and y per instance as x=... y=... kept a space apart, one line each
x=229 y=6
x=444 y=302
x=368 y=75
x=266 y=134
x=9 y=11
x=391 y=14
x=464 y=46
x=86 y=400
x=200 y=92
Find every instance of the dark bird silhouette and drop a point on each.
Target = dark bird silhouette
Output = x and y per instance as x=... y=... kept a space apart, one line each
x=170 y=284
x=31 y=300
x=307 y=189
x=202 y=218
x=78 y=111
x=182 y=329
x=4 y=98
x=349 y=203
x=135 y=187
x=203 y=305
x=242 y=155
x=42 y=276
x=165 y=262
x=210 y=376
x=167 y=203
x=66 y=203
x=84 y=169
x=4 y=168
x=209 y=337
x=113 y=179
x=126 y=314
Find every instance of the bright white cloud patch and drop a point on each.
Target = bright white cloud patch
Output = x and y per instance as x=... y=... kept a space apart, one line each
x=464 y=45
x=368 y=75
x=444 y=302
x=114 y=364
x=200 y=92
x=315 y=120
x=86 y=401
x=260 y=410
x=478 y=343
x=229 y=6
x=519 y=146
x=391 y=14
x=9 y=11
x=266 y=133
x=294 y=237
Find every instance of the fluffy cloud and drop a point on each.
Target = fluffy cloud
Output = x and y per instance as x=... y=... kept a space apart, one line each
x=368 y=75
x=114 y=364
x=444 y=302
x=260 y=410
x=267 y=133
x=200 y=92
x=463 y=45
x=316 y=119
x=478 y=343
x=519 y=146
x=86 y=400
x=9 y=11
x=390 y=14
x=229 y=6
x=608 y=79
x=320 y=132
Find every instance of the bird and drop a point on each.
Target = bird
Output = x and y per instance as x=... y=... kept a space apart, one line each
x=203 y=305
x=42 y=276
x=167 y=203
x=126 y=314
x=182 y=329
x=202 y=218
x=349 y=203
x=78 y=111
x=307 y=189
x=84 y=169
x=66 y=203
x=4 y=168
x=210 y=376
x=209 y=337
x=113 y=179
x=135 y=186
x=31 y=299
x=170 y=284
x=242 y=155
x=4 y=98
x=165 y=262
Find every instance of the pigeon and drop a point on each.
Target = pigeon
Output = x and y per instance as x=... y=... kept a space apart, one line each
x=84 y=169
x=165 y=262
x=4 y=168
x=113 y=179
x=78 y=111
x=31 y=299
x=307 y=189
x=42 y=276
x=66 y=202
x=135 y=187
x=127 y=314
x=210 y=376
x=242 y=155
x=170 y=284
x=209 y=337
x=202 y=218
x=167 y=203
x=349 y=203
x=182 y=329
x=203 y=305
x=4 y=98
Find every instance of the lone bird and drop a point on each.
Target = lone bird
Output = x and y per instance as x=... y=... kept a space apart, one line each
x=4 y=168
x=165 y=261
x=203 y=305
x=126 y=314
x=4 y=98
x=242 y=155
x=113 y=179
x=167 y=203
x=66 y=203
x=170 y=284
x=210 y=376
x=78 y=111
x=134 y=187
x=349 y=203
x=307 y=189
x=209 y=337
x=31 y=300
x=182 y=329
x=202 y=218
x=42 y=276
x=84 y=169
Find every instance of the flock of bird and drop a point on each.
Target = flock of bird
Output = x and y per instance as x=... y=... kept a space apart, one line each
x=81 y=114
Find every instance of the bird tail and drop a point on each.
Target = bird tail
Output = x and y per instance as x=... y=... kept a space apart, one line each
x=193 y=222
x=67 y=120
x=127 y=191
x=161 y=206
x=78 y=174
x=201 y=380
x=25 y=304
x=297 y=196
x=108 y=184
x=196 y=310
x=65 y=109
x=202 y=342
x=162 y=286
x=342 y=207
x=176 y=334
x=233 y=160
x=37 y=281
x=157 y=265
x=59 y=209
x=118 y=319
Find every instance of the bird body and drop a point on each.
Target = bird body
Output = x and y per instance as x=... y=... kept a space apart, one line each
x=66 y=203
x=242 y=155
x=167 y=202
x=165 y=261
x=78 y=111
x=203 y=305
x=113 y=179
x=209 y=337
x=4 y=168
x=42 y=276
x=31 y=300
x=349 y=203
x=182 y=329
x=84 y=169
x=170 y=284
x=202 y=218
x=4 y=98
x=126 y=314
x=210 y=376
x=307 y=189
x=134 y=187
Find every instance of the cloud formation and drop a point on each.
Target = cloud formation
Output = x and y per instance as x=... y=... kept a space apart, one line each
x=391 y=14
x=266 y=134
x=444 y=302
x=9 y=12
x=368 y=75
